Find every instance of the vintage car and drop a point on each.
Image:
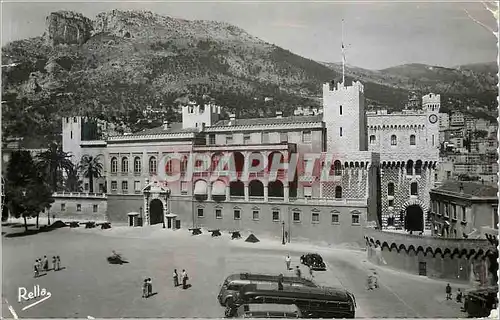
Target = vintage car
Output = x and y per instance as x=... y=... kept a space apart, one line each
x=314 y=261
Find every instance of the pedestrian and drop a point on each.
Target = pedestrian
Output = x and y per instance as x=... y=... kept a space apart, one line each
x=280 y=281
x=288 y=261
x=54 y=261
x=45 y=264
x=35 y=268
x=145 y=288
x=459 y=296
x=311 y=272
x=298 y=272
x=184 y=279
x=448 y=292
x=150 y=287
x=58 y=262
x=286 y=236
x=176 y=278
x=39 y=264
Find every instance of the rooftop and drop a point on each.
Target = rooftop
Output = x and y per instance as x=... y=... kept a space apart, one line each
x=274 y=120
x=470 y=189
x=174 y=128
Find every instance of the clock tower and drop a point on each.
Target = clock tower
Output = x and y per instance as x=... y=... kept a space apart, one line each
x=431 y=104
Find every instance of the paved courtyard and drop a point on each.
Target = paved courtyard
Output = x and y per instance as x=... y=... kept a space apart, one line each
x=89 y=286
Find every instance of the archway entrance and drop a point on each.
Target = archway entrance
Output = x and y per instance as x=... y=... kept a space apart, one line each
x=414 y=218
x=155 y=211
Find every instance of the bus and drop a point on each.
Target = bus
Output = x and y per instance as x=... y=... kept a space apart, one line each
x=267 y=311
x=313 y=302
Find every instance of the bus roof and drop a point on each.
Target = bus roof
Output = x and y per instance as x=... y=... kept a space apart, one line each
x=269 y=290
x=268 y=277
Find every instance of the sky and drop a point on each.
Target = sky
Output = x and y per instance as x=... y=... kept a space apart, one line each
x=377 y=34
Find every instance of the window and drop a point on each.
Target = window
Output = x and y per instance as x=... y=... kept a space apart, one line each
x=94 y=208
x=86 y=187
x=137 y=165
x=337 y=166
x=372 y=139
x=184 y=164
x=169 y=167
x=296 y=217
x=418 y=168
x=124 y=165
x=152 y=165
x=341 y=131
x=71 y=135
x=114 y=185
x=265 y=137
x=125 y=186
x=340 y=109
x=495 y=217
x=63 y=207
x=237 y=214
x=75 y=120
x=454 y=211
x=211 y=139
x=409 y=168
x=114 y=165
x=446 y=209
x=78 y=207
x=67 y=120
x=315 y=217
x=184 y=187
x=335 y=218
x=464 y=214
x=283 y=137
x=218 y=214
x=276 y=215
x=390 y=189
x=355 y=219
x=308 y=192
x=391 y=203
x=412 y=140
x=394 y=140
x=137 y=185
x=414 y=189
x=200 y=213
x=434 y=206
x=229 y=139
x=338 y=192
x=246 y=138
x=255 y=215
x=306 y=136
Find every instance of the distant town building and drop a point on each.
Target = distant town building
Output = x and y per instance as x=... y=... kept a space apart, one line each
x=457 y=119
x=444 y=121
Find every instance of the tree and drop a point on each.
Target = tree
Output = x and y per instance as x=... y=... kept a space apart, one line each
x=73 y=182
x=26 y=192
x=52 y=162
x=91 y=168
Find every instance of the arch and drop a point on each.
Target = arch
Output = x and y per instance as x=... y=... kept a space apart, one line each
x=237 y=161
x=125 y=165
x=394 y=140
x=412 y=140
x=402 y=248
x=200 y=190
x=155 y=211
x=346 y=164
x=418 y=167
x=390 y=189
x=257 y=160
x=420 y=249
x=218 y=190
x=415 y=201
x=410 y=248
x=276 y=189
x=479 y=253
x=351 y=164
x=463 y=253
x=471 y=253
x=456 y=252
x=446 y=251
x=114 y=165
x=414 y=189
x=338 y=192
x=414 y=218
x=337 y=168
x=372 y=139
x=377 y=242
x=272 y=158
x=385 y=245
x=153 y=165
x=356 y=164
x=137 y=165
x=237 y=188
x=409 y=167
x=215 y=159
x=438 y=251
x=429 y=250
x=393 y=247
x=256 y=188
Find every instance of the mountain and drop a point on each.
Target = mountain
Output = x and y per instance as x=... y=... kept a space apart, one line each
x=123 y=62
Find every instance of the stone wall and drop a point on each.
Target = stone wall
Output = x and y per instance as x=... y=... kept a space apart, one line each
x=80 y=206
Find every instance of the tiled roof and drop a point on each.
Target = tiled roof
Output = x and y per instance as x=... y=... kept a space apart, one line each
x=174 y=128
x=264 y=121
x=469 y=188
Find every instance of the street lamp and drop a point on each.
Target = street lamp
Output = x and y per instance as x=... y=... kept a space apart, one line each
x=283 y=232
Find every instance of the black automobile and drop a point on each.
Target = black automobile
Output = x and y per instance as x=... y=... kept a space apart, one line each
x=314 y=261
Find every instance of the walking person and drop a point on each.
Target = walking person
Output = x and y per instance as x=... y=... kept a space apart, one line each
x=176 y=278
x=288 y=261
x=150 y=287
x=280 y=281
x=298 y=272
x=35 y=269
x=39 y=264
x=58 y=262
x=145 y=288
x=448 y=292
x=45 y=264
x=54 y=262
x=311 y=272
x=184 y=279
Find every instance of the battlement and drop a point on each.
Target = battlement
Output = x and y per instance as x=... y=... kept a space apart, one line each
x=330 y=87
x=199 y=115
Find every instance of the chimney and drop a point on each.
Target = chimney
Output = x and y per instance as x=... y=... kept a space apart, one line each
x=279 y=114
x=166 y=125
x=461 y=187
x=232 y=119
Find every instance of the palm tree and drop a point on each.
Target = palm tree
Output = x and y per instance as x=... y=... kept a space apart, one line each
x=73 y=182
x=52 y=162
x=90 y=168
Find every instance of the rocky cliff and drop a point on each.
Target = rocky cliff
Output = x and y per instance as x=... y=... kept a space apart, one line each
x=66 y=27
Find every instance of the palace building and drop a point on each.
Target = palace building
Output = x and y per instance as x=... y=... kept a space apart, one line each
x=275 y=168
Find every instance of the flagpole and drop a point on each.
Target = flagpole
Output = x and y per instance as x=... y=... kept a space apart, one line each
x=343 y=55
